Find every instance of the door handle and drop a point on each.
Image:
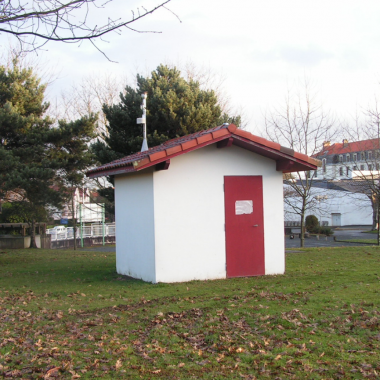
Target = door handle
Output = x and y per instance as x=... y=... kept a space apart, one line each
x=255 y=225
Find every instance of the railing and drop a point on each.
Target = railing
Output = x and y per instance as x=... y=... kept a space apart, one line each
x=291 y=223
x=95 y=230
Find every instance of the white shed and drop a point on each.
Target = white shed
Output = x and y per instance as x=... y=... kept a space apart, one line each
x=203 y=206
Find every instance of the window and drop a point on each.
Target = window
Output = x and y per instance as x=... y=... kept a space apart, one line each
x=341 y=158
x=355 y=167
x=344 y=158
x=362 y=156
x=377 y=166
x=369 y=167
x=355 y=157
x=341 y=171
x=316 y=173
x=324 y=165
x=369 y=154
x=347 y=171
x=347 y=157
x=361 y=167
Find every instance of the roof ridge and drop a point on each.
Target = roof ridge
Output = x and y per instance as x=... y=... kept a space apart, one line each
x=127 y=160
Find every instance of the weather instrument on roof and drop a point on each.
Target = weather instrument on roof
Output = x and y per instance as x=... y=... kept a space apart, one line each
x=142 y=120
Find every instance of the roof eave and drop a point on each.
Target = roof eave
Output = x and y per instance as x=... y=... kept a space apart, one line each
x=159 y=157
x=286 y=159
x=114 y=171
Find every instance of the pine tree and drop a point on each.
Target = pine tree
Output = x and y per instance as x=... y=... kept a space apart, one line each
x=35 y=156
x=175 y=107
x=74 y=138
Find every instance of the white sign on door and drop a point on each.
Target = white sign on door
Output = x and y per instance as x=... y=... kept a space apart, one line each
x=243 y=207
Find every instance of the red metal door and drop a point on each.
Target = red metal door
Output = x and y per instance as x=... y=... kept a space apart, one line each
x=243 y=202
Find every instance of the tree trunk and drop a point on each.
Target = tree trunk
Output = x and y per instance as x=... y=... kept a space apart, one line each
x=374 y=217
x=74 y=222
x=374 y=204
x=378 y=218
x=302 y=242
x=33 y=234
x=302 y=215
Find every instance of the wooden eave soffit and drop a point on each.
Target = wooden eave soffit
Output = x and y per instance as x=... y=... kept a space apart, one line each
x=163 y=165
x=225 y=143
x=289 y=166
x=285 y=165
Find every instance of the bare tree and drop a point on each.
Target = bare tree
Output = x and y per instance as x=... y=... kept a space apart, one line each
x=12 y=54
x=37 y=22
x=302 y=125
x=295 y=195
x=359 y=162
x=88 y=96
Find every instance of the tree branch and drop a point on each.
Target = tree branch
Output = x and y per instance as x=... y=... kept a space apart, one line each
x=37 y=22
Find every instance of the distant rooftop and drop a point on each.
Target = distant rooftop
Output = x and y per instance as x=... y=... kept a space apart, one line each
x=348 y=147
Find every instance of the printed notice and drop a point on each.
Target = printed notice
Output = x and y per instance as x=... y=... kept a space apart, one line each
x=243 y=207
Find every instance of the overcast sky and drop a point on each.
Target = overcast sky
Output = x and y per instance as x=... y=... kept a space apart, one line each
x=260 y=47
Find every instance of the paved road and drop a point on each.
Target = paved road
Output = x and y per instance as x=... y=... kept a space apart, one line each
x=339 y=234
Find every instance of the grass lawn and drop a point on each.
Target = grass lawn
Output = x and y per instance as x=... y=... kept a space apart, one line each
x=68 y=315
x=367 y=241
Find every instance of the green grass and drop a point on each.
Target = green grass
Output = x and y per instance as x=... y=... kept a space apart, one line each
x=68 y=314
x=370 y=232
x=367 y=241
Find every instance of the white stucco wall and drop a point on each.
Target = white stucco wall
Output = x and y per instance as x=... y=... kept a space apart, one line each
x=135 y=245
x=354 y=209
x=189 y=213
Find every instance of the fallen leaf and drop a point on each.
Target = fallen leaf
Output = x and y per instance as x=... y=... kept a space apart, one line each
x=74 y=375
x=53 y=372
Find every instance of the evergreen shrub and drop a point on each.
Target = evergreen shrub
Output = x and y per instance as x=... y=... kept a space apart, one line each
x=311 y=223
x=324 y=231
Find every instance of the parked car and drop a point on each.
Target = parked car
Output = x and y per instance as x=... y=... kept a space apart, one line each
x=59 y=229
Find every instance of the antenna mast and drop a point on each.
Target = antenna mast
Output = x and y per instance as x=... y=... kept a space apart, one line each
x=142 y=120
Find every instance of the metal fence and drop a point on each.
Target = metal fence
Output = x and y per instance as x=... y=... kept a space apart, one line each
x=292 y=223
x=95 y=230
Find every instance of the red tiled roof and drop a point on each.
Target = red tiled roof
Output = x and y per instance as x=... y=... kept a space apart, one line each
x=287 y=159
x=357 y=146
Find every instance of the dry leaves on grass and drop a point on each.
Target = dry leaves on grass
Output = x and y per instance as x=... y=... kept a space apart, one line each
x=50 y=344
